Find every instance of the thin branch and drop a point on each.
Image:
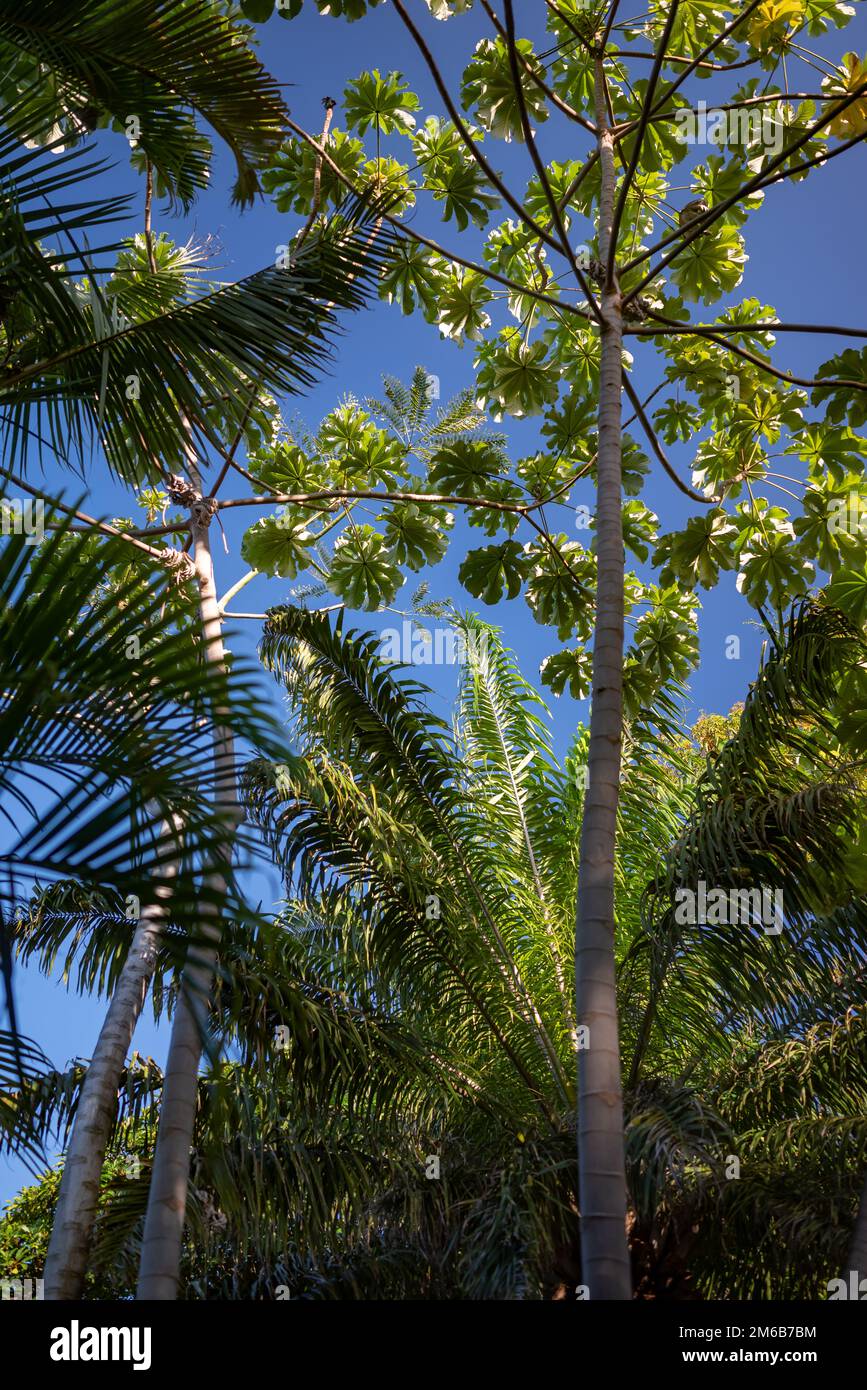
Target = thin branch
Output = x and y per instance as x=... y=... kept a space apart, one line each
x=347 y=494
x=646 y=108
x=700 y=224
x=455 y=116
x=658 y=449
x=411 y=234
x=539 y=162
x=540 y=82
x=160 y=556
x=809 y=382
x=746 y=329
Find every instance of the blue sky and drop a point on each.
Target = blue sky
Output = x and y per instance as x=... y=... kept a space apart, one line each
x=806 y=258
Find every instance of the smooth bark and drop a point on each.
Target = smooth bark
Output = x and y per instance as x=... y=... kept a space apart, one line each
x=72 y=1231
x=159 y=1271
x=601 y=1167
x=858 y=1247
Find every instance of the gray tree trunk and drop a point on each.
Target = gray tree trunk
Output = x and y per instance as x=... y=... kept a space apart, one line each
x=601 y=1168
x=72 y=1231
x=858 y=1247
x=159 y=1270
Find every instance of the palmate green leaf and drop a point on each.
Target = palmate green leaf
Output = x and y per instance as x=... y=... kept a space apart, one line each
x=677 y=420
x=286 y=467
x=773 y=569
x=383 y=103
x=696 y=554
x=155 y=59
x=490 y=570
x=665 y=640
x=848 y=592
x=710 y=265
x=718 y=179
x=560 y=179
x=572 y=667
x=544 y=474
x=489 y=90
x=833 y=528
x=277 y=545
x=452 y=175
x=466 y=467
x=827 y=449
x=363 y=571
x=843 y=403
x=492 y=520
x=512 y=249
x=290 y=176
x=639 y=528
x=661 y=145
x=570 y=426
x=560 y=586
x=416 y=535
x=460 y=299
x=412 y=275
x=514 y=377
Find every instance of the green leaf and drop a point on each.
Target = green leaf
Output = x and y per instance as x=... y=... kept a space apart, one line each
x=572 y=666
x=258 y=10
x=489 y=89
x=290 y=176
x=711 y=265
x=845 y=403
x=696 y=554
x=412 y=275
x=848 y=592
x=487 y=572
x=515 y=377
x=560 y=587
x=466 y=466
x=452 y=175
x=773 y=569
x=384 y=103
x=416 y=535
x=460 y=297
x=277 y=546
x=363 y=571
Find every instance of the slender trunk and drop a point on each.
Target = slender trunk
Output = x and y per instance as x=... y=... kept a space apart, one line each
x=858 y=1247
x=601 y=1168
x=71 y=1233
x=159 y=1271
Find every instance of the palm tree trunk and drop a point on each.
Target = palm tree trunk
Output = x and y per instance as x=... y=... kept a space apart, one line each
x=159 y=1270
x=71 y=1233
x=601 y=1168
x=858 y=1247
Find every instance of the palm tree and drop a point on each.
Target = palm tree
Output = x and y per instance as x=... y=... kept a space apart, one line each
x=436 y=873
x=97 y=349
x=105 y=756
x=393 y=1015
